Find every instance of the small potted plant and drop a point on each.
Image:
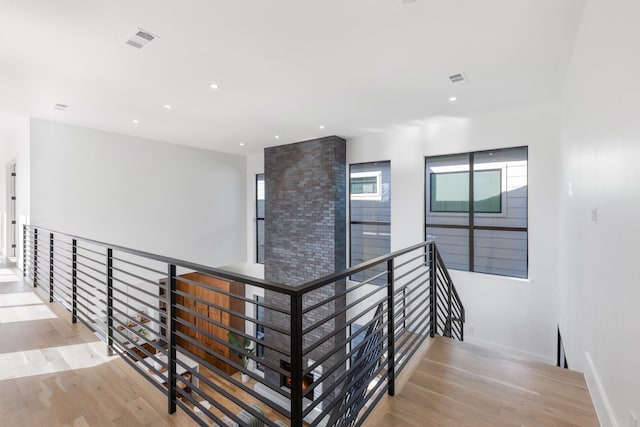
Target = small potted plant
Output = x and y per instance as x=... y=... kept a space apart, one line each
x=246 y=346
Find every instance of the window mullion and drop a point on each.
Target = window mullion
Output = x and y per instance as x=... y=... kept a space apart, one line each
x=471 y=211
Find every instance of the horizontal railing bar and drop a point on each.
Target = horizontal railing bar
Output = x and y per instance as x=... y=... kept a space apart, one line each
x=220 y=291
x=329 y=408
x=126 y=304
x=145 y=375
x=341 y=344
x=315 y=284
x=229 y=396
x=337 y=331
x=138 y=289
x=345 y=292
x=189 y=265
x=343 y=310
x=91 y=286
x=410 y=260
x=228 y=328
x=413 y=270
x=143 y=279
x=230 y=312
x=340 y=362
x=152 y=270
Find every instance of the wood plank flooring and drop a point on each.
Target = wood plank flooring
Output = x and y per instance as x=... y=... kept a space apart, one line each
x=54 y=373
x=459 y=384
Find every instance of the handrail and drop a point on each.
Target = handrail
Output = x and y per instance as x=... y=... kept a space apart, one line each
x=371 y=317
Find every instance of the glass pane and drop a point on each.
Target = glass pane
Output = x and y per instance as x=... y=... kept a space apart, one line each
x=450 y=192
x=367 y=242
x=364 y=185
x=501 y=252
x=453 y=244
x=447 y=183
x=260 y=241
x=376 y=208
x=512 y=163
x=487 y=191
x=260 y=196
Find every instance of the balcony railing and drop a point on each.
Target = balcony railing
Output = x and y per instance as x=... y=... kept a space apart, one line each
x=320 y=354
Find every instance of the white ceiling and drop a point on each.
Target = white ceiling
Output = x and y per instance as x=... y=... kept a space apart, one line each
x=284 y=66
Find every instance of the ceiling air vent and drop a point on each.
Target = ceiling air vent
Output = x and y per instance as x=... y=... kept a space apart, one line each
x=457 y=78
x=406 y=2
x=140 y=38
x=60 y=107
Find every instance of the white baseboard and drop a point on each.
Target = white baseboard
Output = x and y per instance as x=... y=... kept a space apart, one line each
x=598 y=394
x=520 y=353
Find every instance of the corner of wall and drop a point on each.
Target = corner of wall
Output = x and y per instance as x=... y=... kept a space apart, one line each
x=599 y=396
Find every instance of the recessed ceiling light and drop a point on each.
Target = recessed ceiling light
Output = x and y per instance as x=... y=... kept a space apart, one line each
x=167 y=107
x=277 y=137
x=321 y=126
x=453 y=99
x=135 y=121
x=60 y=107
x=214 y=86
x=242 y=144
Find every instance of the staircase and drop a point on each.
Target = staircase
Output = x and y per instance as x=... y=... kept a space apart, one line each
x=461 y=384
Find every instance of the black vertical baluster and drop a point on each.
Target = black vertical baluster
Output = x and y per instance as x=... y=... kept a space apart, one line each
x=35 y=257
x=110 y=298
x=171 y=336
x=74 y=281
x=449 y=308
x=50 y=267
x=296 y=361
x=432 y=288
x=391 y=348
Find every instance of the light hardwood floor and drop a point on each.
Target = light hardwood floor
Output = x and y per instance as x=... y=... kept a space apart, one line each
x=54 y=373
x=459 y=384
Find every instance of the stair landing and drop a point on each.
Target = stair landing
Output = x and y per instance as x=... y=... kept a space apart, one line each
x=460 y=384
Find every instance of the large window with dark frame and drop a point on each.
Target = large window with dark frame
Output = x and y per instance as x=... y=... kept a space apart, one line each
x=369 y=215
x=260 y=193
x=476 y=210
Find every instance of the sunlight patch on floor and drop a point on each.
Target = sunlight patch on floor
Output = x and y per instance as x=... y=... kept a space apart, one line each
x=26 y=313
x=8 y=275
x=19 y=298
x=51 y=360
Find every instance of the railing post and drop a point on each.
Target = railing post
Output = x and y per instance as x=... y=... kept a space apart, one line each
x=74 y=281
x=35 y=257
x=171 y=338
x=391 y=368
x=50 y=267
x=296 y=361
x=110 y=298
x=433 y=289
x=449 y=310
x=24 y=250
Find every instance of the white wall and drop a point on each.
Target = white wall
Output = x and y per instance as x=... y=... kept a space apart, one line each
x=599 y=170
x=515 y=313
x=14 y=147
x=148 y=195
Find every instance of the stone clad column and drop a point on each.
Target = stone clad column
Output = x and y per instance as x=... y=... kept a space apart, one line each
x=305 y=236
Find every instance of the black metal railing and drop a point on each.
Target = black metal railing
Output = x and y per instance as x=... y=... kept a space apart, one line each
x=322 y=354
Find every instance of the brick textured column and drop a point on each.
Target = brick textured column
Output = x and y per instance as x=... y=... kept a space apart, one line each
x=305 y=235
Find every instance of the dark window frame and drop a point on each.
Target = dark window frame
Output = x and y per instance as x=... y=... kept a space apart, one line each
x=351 y=222
x=258 y=219
x=471 y=227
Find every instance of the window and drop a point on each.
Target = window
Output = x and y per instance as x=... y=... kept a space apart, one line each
x=476 y=210
x=366 y=185
x=260 y=193
x=370 y=215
